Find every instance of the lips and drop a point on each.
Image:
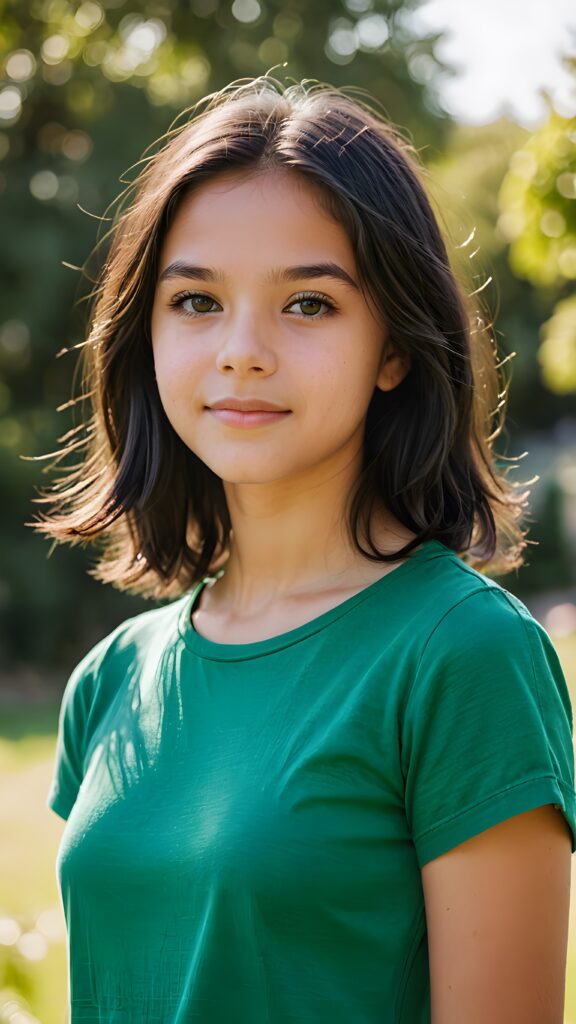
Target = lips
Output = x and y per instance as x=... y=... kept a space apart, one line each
x=242 y=419
x=246 y=405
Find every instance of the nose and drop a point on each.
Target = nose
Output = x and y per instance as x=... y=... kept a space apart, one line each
x=244 y=349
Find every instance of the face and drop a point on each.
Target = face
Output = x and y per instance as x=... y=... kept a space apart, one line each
x=241 y=324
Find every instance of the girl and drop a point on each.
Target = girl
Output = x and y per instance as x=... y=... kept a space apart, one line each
x=332 y=779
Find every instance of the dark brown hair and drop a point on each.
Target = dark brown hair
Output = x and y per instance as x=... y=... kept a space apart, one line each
x=158 y=510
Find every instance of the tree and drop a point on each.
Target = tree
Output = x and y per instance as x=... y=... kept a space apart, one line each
x=538 y=218
x=466 y=179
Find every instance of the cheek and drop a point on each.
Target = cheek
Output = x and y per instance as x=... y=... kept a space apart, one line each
x=345 y=383
x=169 y=342
x=174 y=366
x=174 y=388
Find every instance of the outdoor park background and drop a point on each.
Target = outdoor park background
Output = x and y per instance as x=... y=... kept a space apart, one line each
x=85 y=87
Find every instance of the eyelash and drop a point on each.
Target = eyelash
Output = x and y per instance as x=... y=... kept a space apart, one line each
x=178 y=300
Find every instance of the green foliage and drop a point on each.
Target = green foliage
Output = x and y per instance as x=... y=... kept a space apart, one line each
x=538 y=219
x=537 y=202
x=466 y=179
x=558 y=350
x=77 y=53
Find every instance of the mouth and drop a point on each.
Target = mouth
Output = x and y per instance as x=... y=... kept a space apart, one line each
x=253 y=418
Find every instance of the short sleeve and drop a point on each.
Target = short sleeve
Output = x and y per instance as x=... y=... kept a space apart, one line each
x=70 y=742
x=487 y=729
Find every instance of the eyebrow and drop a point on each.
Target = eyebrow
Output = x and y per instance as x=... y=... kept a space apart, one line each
x=277 y=275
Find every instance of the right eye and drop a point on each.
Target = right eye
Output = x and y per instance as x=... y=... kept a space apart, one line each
x=200 y=303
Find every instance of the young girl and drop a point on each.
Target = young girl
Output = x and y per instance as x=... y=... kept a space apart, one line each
x=332 y=778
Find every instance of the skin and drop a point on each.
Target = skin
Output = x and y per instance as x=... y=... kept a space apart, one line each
x=497 y=911
x=286 y=483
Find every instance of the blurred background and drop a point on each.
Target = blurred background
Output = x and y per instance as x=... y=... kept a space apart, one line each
x=487 y=94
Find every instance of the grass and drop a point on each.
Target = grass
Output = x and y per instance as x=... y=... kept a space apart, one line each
x=34 y=974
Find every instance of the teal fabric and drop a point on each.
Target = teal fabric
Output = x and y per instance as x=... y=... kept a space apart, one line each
x=247 y=822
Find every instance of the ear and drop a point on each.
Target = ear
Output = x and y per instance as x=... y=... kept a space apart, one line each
x=393 y=368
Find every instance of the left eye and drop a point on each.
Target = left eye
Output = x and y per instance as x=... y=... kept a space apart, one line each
x=311 y=304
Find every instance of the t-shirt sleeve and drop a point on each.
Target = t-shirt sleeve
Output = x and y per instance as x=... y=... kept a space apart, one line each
x=75 y=706
x=487 y=729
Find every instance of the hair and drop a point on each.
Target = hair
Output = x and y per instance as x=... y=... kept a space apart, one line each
x=159 y=513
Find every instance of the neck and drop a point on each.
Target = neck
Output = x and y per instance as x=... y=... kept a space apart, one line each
x=291 y=539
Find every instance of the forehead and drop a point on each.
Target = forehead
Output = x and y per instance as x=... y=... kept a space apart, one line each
x=272 y=211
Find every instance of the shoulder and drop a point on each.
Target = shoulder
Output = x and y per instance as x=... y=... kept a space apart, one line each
x=486 y=726
x=141 y=634
x=133 y=641
x=469 y=611
x=482 y=649
x=92 y=687
x=141 y=631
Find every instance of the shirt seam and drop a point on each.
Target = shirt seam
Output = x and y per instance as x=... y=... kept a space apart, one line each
x=479 y=590
x=311 y=632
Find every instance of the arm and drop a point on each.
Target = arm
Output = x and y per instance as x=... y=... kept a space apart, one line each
x=497 y=910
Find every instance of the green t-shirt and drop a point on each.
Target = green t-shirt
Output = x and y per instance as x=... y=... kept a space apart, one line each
x=247 y=822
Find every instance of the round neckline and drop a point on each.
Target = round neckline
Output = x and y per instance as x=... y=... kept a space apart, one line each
x=214 y=651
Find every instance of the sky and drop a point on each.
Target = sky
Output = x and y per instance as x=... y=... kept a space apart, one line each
x=504 y=51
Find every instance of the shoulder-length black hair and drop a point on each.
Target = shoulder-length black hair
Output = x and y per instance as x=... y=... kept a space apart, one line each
x=159 y=511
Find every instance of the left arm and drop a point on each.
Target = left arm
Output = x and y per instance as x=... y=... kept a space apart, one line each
x=497 y=911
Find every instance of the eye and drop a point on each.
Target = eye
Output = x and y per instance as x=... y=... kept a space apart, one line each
x=310 y=303
x=200 y=303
